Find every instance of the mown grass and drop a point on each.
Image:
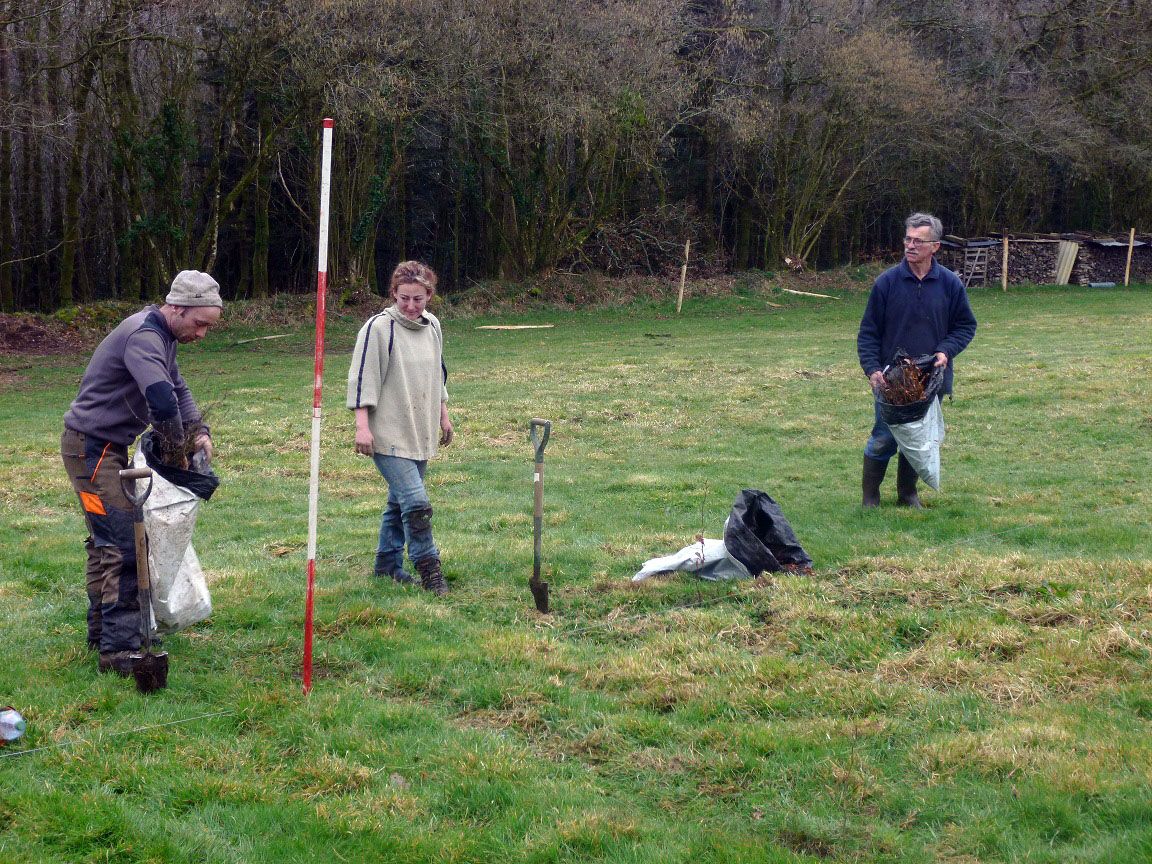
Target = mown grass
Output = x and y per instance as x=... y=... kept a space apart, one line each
x=965 y=684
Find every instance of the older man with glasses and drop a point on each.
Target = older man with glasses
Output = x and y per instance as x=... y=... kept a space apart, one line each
x=919 y=306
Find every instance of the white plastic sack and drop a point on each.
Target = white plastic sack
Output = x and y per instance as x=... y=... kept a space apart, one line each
x=920 y=443
x=708 y=560
x=180 y=595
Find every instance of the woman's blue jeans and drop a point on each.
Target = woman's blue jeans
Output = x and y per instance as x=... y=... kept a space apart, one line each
x=407 y=518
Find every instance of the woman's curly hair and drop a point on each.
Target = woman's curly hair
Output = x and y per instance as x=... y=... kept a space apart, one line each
x=414 y=272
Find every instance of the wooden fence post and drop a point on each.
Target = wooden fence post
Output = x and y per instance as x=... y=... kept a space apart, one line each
x=683 y=275
x=1128 y=266
x=1004 y=270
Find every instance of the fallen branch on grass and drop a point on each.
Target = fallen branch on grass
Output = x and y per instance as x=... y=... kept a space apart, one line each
x=809 y=294
x=260 y=338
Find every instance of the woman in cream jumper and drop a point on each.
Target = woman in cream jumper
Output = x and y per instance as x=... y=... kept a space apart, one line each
x=396 y=387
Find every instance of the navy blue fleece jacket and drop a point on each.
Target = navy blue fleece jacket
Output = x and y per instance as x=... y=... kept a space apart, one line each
x=922 y=316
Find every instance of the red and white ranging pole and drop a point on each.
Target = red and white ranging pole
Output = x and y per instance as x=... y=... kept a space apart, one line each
x=317 y=396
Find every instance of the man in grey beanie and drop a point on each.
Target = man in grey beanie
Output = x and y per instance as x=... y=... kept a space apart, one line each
x=132 y=382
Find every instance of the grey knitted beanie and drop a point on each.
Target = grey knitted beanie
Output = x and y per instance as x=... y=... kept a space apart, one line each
x=193 y=288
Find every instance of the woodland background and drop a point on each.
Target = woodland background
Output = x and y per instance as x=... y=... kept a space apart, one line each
x=500 y=139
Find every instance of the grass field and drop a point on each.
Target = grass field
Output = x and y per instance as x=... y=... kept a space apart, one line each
x=968 y=683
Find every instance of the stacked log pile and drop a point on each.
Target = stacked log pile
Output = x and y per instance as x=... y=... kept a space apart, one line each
x=1106 y=264
x=1032 y=258
x=1100 y=264
x=1028 y=261
x=1142 y=262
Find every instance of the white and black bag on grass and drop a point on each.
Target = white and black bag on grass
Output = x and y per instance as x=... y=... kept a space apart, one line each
x=757 y=539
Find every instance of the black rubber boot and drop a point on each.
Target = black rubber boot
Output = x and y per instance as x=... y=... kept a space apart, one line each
x=874 y=471
x=94 y=621
x=431 y=576
x=906 y=485
x=390 y=566
x=119 y=662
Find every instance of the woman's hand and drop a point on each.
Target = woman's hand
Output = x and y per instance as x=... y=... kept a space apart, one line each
x=365 y=443
x=446 y=431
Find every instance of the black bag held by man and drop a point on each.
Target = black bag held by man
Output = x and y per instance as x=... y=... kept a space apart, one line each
x=201 y=483
x=903 y=365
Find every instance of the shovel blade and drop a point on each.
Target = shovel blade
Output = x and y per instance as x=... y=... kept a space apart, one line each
x=150 y=671
x=539 y=594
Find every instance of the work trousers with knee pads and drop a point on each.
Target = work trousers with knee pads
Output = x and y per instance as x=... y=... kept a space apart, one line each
x=94 y=467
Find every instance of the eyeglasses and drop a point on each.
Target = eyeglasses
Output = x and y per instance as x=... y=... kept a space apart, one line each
x=916 y=242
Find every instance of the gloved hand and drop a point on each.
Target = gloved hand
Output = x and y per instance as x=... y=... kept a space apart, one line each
x=201 y=462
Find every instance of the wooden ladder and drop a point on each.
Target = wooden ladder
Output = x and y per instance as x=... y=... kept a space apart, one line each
x=975 y=266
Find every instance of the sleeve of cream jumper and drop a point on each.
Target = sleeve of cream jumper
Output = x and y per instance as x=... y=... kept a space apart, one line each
x=369 y=363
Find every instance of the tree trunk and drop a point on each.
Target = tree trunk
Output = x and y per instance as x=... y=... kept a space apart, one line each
x=70 y=231
x=261 y=231
x=152 y=268
x=242 y=248
x=33 y=223
x=742 y=253
x=7 y=209
x=71 y=219
x=57 y=295
x=130 y=287
x=400 y=196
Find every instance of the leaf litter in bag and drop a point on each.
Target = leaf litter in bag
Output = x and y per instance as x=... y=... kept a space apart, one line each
x=910 y=386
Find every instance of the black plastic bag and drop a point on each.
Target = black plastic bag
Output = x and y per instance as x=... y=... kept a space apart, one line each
x=759 y=537
x=913 y=411
x=200 y=484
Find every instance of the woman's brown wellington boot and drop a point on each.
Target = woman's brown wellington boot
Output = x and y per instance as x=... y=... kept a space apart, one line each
x=431 y=576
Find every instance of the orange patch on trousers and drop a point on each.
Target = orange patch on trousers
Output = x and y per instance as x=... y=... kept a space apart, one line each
x=93 y=504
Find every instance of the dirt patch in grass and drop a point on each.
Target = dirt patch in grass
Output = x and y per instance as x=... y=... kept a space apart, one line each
x=11 y=379
x=36 y=335
x=805 y=843
x=527 y=720
x=1045 y=617
x=369 y=618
